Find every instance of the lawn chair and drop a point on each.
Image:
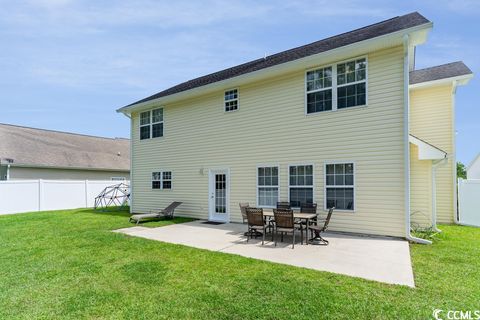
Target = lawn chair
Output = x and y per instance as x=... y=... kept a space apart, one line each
x=166 y=213
x=285 y=223
x=283 y=205
x=256 y=222
x=317 y=239
x=243 y=207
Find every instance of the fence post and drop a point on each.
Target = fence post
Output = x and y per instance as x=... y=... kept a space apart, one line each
x=40 y=194
x=86 y=193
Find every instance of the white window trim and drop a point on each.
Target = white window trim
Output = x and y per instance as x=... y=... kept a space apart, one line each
x=313 y=179
x=335 y=86
x=151 y=123
x=161 y=179
x=278 y=186
x=353 y=186
x=237 y=99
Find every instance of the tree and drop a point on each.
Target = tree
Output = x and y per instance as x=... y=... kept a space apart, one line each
x=461 y=171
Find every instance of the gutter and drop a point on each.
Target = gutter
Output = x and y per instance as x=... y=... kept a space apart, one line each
x=406 y=134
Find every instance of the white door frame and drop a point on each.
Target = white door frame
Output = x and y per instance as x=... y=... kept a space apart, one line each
x=212 y=215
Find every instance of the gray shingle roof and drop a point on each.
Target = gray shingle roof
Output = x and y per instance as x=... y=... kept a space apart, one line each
x=443 y=71
x=39 y=147
x=372 y=31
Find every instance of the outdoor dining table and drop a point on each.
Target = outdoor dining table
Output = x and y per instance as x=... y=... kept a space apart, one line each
x=297 y=215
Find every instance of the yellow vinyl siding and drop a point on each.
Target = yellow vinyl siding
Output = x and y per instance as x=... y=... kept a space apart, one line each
x=420 y=190
x=431 y=119
x=271 y=127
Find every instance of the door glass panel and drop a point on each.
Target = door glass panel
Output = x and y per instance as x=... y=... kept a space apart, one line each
x=220 y=193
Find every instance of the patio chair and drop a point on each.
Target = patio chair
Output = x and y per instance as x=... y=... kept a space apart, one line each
x=317 y=239
x=256 y=222
x=309 y=208
x=285 y=223
x=166 y=213
x=243 y=206
x=283 y=205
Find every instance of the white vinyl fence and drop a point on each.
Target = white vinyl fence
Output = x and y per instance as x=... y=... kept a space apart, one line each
x=469 y=202
x=39 y=195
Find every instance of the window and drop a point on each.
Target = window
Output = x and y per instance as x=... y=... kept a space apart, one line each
x=231 y=100
x=145 y=125
x=162 y=180
x=267 y=186
x=339 y=186
x=300 y=185
x=351 y=83
x=340 y=86
x=319 y=90
x=151 y=124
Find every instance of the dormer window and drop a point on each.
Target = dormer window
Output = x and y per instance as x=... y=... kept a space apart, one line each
x=231 y=100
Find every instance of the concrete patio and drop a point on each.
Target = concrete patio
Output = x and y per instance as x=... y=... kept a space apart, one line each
x=379 y=259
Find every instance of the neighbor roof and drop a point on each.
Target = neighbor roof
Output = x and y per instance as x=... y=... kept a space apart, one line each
x=443 y=71
x=40 y=148
x=372 y=31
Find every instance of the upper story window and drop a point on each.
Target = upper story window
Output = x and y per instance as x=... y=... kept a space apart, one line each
x=231 y=100
x=319 y=90
x=336 y=87
x=151 y=124
x=339 y=186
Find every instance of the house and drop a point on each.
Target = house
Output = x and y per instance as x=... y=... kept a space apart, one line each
x=473 y=169
x=346 y=121
x=30 y=153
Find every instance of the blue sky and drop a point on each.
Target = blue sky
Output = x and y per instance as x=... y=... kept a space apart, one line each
x=68 y=65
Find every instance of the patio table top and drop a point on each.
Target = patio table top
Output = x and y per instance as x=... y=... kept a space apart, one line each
x=297 y=215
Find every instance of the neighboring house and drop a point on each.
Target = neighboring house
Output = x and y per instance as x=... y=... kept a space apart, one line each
x=345 y=122
x=473 y=169
x=30 y=153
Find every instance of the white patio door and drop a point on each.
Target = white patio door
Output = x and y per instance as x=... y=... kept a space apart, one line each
x=219 y=195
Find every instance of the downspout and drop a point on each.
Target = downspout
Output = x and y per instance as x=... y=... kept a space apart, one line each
x=406 y=131
x=131 y=161
x=435 y=165
x=8 y=172
x=454 y=157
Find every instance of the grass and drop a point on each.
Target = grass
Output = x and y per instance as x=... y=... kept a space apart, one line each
x=67 y=264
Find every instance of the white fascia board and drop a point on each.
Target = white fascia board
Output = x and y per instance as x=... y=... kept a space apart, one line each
x=427 y=151
x=419 y=34
x=459 y=80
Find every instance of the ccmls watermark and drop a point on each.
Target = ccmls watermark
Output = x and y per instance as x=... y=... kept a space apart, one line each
x=439 y=314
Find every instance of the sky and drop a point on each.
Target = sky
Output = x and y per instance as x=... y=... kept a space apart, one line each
x=69 y=64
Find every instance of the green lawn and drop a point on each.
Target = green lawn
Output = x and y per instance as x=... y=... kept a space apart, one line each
x=67 y=264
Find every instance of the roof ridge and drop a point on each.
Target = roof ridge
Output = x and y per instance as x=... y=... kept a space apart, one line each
x=63 y=132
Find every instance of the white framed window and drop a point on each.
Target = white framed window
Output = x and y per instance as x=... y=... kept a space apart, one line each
x=231 y=100
x=340 y=186
x=118 y=178
x=162 y=180
x=319 y=90
x=151 y=124
x=300 y=184
x=338 y=86
x=268 y=186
